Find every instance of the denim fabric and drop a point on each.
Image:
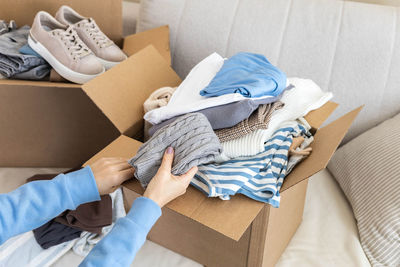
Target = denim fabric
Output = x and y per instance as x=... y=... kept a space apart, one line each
x=7 y=27
x=12 y=62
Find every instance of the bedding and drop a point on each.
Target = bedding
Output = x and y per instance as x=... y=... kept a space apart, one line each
x=367 y=169
x=327 y=236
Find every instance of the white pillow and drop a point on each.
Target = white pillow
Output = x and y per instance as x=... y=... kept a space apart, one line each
x=368 y=170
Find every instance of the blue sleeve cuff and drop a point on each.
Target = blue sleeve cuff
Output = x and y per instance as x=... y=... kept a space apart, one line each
x=144 y=212
x=82 y=186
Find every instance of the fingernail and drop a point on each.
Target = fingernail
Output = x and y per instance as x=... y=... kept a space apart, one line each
x=170 y=150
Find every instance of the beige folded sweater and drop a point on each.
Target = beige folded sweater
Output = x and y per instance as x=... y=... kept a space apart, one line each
x=258 y=120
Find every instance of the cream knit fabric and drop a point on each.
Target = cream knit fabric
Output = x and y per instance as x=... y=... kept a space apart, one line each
x=303 y=98
x=158 y=98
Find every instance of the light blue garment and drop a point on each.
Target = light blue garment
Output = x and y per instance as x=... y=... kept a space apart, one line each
x=248 y=74
x=259 y=177
x=120 y=246
x=35 y=203
x=35 y=256
x=27 y=50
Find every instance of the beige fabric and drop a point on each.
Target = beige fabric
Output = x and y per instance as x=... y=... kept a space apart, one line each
x=368 y=170
x=158 y=98
x=91 y=34
x=258 y=120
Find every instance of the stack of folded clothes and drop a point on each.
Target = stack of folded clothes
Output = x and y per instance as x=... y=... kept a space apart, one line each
x=240 y=120
x=14 y=63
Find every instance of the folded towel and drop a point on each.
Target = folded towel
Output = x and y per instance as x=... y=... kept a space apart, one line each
x=249 y=74
x=194 y=143
x=158 y=98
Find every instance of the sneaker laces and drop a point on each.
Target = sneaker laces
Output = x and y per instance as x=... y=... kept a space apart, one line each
x=95 y=33
x=74 y=44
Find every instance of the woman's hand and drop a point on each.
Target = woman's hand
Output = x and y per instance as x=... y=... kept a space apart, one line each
x=110 y=173
x=164 y=186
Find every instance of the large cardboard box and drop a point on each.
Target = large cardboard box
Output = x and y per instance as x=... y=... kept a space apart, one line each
x=238 y=232
x=48 y=124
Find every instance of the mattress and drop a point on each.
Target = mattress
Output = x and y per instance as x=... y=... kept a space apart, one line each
x=327 y=236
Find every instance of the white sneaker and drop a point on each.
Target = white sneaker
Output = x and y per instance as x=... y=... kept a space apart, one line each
x=62 y=48
x=107 y=52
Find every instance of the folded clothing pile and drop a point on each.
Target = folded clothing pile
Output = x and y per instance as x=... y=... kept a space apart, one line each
x=254 y=113
x=14 y=63
x=79 y=230
x=90 y=221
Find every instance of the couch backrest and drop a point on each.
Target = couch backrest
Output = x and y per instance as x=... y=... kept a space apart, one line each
x=349 y=48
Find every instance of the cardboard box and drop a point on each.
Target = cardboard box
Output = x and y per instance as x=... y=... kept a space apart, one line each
x=45 y=124
x=238 y=232
x=48 y=124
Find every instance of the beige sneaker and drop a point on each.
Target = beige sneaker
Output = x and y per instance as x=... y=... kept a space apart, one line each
x=108 y=53
x=62 y=48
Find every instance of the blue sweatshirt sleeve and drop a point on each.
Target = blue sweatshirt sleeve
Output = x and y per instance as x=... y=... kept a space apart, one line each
x=120 y=246
x=35 y=203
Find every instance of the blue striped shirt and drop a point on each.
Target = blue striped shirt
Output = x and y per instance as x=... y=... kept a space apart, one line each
x=259 y=177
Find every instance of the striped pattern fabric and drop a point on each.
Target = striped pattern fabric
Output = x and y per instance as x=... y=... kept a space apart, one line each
x=368 y=171
x=259 y=177
x=23 y=250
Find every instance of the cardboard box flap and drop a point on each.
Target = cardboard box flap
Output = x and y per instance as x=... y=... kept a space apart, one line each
x=158 y=37
x=123 y=146
x=39 y=83
x=317 y=117
x=230 y=218
x=121 y=91
x=326 y=140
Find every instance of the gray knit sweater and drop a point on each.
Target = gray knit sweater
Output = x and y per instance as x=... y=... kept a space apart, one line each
x=193 y=140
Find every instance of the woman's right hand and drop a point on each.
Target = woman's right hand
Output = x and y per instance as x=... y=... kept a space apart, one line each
x=165 y=186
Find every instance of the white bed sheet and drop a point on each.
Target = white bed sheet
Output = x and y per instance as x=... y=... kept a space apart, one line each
x=327 y=236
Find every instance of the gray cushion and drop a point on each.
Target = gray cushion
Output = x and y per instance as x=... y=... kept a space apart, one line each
x=351 y=49
x=368 y=170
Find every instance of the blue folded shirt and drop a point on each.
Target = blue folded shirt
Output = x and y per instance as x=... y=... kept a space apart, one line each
x=251 y=75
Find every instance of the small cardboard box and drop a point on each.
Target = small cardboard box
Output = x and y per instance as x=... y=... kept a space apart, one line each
x=238 y=232
x=49 y=124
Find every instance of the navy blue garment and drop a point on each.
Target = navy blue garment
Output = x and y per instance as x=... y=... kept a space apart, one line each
x=54 y=233
x=251 y=75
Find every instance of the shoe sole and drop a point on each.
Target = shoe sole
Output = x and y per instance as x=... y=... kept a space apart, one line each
x=61 y=69
x=108 y=64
